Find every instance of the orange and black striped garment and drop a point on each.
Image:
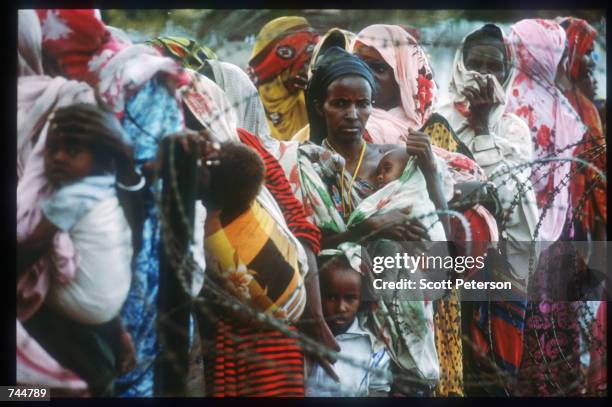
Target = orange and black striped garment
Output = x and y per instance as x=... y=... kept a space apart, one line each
x=279 y=187
x=248 y=362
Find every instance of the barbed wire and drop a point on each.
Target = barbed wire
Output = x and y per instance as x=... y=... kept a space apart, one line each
x=213 y=295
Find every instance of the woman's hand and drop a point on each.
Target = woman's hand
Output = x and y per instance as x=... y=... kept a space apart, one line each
x=395 y=225
x=418 y=144
x=205 y=144
x=88 y=120
x=320 y=332
x=481 y=102
x=127 y=356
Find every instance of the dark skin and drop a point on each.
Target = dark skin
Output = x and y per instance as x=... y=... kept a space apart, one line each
x=341 y=296
x=586 y=76
x=66 y=161
x=487 y=60
x=388 y=95
x=346 y=110
x=313 y=322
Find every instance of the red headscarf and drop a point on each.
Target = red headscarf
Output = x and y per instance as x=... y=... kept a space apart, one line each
x=73 y=38
x=291 y=51
x=580 y=37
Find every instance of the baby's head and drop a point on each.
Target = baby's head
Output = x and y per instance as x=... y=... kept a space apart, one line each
x=72 y=153
x=391 y=166
x=341 y=292
x=234 y=184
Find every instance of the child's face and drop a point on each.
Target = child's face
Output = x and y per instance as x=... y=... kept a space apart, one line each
x=390 y=167
x=340 y=297
x=67 y=160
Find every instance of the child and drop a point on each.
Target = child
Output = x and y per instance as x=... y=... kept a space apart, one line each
x=255 y=258
x=391 y=166
x=367 y=372
x=250 y=251
x=79 y=323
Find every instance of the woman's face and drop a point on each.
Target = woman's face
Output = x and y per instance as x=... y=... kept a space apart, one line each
x=347 y=107
x=586 y=77
x=388 y=93
x=486 y=59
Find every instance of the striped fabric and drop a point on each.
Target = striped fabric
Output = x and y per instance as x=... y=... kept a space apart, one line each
x=278 y=185
x=249 y=362
x=257 y=262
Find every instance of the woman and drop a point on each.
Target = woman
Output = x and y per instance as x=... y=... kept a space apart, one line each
x=37 y=96
x=339 y=100
x=206 y=103
x=500 y=143
x=555 y=127
x=139 y=85
x=278 y=66
x=587 y=189
x=550 y=363
x=405 y=103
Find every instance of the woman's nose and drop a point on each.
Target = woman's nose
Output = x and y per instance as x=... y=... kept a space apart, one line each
x=351 y=112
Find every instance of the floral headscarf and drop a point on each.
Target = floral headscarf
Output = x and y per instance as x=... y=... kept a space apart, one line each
x=554 y=125
x=413 y=75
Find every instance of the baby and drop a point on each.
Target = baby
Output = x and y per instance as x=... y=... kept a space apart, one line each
x=342 y=291
x=255 y=257
x=391 y=166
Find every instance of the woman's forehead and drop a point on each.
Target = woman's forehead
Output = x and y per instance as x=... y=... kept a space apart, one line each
x=366 y=52
x=484 y=50
x=350 y=85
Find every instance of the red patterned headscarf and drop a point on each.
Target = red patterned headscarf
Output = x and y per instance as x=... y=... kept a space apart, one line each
x=580 y=37
x=284 y=43
x=73 y=38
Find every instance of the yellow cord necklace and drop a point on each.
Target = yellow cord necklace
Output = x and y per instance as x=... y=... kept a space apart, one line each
x=350 y=188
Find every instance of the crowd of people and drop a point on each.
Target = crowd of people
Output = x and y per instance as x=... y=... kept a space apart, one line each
x=285 y=178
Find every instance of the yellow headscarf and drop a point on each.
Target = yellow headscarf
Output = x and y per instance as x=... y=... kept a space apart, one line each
x=334 y=37
x=286 y=112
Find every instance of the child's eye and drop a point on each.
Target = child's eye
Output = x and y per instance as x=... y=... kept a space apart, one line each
x=73 y=150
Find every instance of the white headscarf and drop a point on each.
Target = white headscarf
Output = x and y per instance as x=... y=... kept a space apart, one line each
x=29 y=43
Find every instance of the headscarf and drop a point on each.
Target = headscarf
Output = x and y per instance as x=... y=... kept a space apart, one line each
x=29 y=44
x=352 y=252
x=580 y=39
x=283 y=43
x=282 y=48
x=188 y=52
x=413 y=76
x=335 y=37
x=243 y=96
x=538 y=46
x=86 y=50
x=333 y=64
x=462 y=78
